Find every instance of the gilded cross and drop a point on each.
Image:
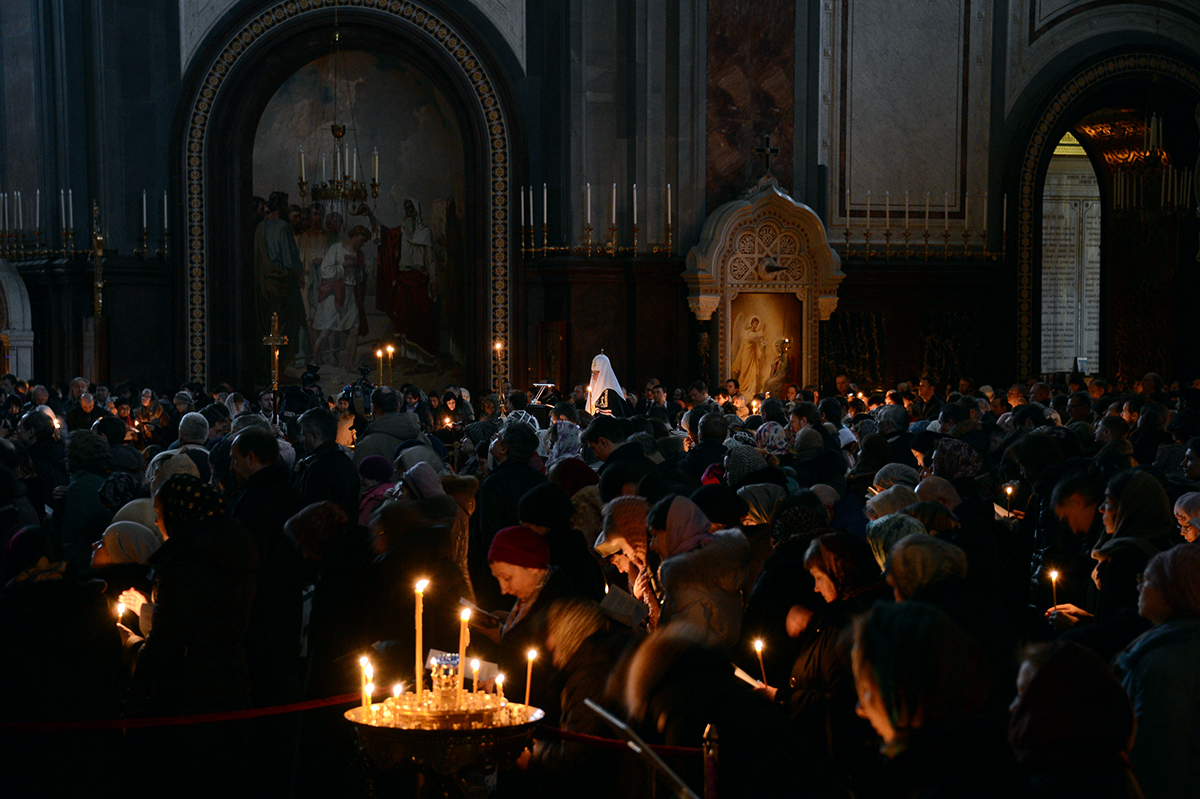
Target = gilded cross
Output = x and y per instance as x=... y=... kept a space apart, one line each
x=766 y=151
x=275 y=341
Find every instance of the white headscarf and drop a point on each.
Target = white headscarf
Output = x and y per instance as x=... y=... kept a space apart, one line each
x=603 y=378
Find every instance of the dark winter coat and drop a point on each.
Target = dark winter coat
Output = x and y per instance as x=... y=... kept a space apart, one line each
x=329 y=474
x=496 y=508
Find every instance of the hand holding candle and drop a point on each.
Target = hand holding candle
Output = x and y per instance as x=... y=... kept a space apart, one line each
x=1054 y=585
x=120 y=611
x=758 y=648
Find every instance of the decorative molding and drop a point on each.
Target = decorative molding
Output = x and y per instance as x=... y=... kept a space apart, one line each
x=419 y=21
x=1041 y=144
x=765 y=242
x=198 y=17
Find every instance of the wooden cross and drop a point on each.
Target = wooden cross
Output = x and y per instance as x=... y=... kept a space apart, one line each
x=275 y=341
x=766 y=151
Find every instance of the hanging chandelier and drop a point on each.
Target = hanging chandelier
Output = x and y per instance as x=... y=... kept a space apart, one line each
x=345 y=187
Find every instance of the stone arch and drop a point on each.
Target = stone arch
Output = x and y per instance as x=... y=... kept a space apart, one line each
x=16 y=322
x=455 y=49
x=1038 y=150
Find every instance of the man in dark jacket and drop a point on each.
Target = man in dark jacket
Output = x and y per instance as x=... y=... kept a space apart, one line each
x=327 y=472
x=265 y=503
x=708 y=429
x=497 y=502
x=389 y=427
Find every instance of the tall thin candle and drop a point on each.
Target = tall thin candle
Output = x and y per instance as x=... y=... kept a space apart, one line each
x=462 y=646
x=532 y=655
x=589 y=205
x=668 y=203
x=164 y=210
x=545 y=203
x=758 y=648
x=143 y=209
x=906 y=210
x=420 y=660
x=635 y=203
x=614 y=205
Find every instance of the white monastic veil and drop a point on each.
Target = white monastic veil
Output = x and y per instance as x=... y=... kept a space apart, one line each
x=603 y=378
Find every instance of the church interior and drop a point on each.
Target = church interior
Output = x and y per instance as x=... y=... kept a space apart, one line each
x=1004 y=190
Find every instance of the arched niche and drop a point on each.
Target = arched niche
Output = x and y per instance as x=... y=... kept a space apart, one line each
x=16 y=323
x=242 y=66
x=1097 y=82
x=767 y=255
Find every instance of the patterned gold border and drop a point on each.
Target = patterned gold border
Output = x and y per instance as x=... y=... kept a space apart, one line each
x=1104 y=70
x=422 y=21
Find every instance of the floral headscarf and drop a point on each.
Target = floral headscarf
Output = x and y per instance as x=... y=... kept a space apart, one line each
x=567 y=442
x=187 y=501
x=771 y=439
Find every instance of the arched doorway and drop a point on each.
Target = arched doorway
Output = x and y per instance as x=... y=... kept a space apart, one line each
x=243 y=67
x=1141 y=289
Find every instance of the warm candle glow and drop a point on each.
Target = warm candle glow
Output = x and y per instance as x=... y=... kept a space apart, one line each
x=391 y=350
x=758 y=645
x=369 y=670
x=422 y=585
x=378 y=353
x=397 y=689
x=1053 y=575
x=369 y=689
x=120 y=610
x=466 y=614
x=1008 y=490
x=531 y=654
x=362 y=661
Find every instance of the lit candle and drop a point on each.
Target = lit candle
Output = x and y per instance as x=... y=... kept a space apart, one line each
x=364 y=664
x=475 y=676
x=379 y=356
x=758 y=647
x=420 y=675
x=532 y=655
x=143 y=209
x=614 y=205
x=1008 y=490
x=368 y=691
x=301 y=156
x=463 y=635
x=500 y=686
x=589 y=205
x=545 y=204
x=397 y=689
x=635 y=203
x=390 y=351
x=668 y=203
x=1054 y=585
x=120 y=611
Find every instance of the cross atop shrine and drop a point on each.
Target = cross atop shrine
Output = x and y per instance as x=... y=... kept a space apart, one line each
x=766 y=151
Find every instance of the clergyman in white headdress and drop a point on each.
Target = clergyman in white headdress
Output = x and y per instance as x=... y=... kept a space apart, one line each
x=605 y=394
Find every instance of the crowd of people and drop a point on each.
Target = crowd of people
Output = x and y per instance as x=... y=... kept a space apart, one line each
x=928 y=591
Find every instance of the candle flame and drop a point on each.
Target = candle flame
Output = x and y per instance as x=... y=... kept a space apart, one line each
x=369 y=670
x=397 y=689
x=421 y=584
x=466 y=614
x=531 y=654
x=1053 y=575
x=390 y=349
x=370 y=689
x=121 y=608
x=378 y=353
x=1008 y=490
x=362 y=661
x=499 y=679
x=499 y=345
x=758 y=645
x=475 y=664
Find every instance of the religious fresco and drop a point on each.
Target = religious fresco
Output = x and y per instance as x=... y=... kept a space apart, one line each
x=764 y=341
x=389 y=271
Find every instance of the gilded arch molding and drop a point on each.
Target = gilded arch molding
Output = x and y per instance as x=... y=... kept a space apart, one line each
x=421 y=22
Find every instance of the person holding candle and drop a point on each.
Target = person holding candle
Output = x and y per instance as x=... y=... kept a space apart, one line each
x=519 y=558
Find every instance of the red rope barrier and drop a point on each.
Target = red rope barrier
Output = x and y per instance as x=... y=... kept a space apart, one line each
x=613 y=743
x=175 y=721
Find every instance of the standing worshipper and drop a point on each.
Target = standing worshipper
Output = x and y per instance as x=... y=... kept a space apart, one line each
x=604 y=393
x=327 y=472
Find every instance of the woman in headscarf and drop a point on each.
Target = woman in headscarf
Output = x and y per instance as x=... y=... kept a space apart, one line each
x=121 y=557
x=1072 y=725
x=1159 y=672
x=704 y=574
x=819 y=694
x=565 y=442
x=884 y=532
x=604 y=393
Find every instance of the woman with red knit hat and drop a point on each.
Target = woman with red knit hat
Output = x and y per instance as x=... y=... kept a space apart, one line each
x=520 y=560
